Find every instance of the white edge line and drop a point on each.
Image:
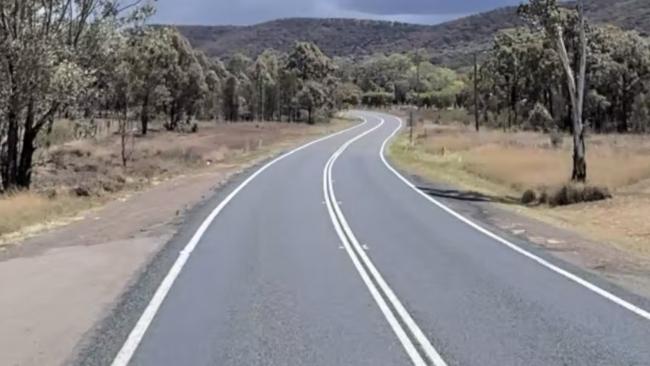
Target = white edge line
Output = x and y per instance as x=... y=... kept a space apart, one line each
x=608 y=295
x=137 y=333
x=429 y=350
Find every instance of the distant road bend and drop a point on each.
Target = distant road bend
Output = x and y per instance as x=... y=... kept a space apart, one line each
x=328 y=256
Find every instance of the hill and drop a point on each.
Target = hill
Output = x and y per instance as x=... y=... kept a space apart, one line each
x=449 y=43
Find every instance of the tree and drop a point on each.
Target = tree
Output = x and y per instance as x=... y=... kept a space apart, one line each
x=418 y=57
x=150 y=58
x=186 y=82
x=231 y=99
x=312 y=96
x=620 y=63
x=309 y=62
x=313 y=70
x=45 y=66
x=545 y=14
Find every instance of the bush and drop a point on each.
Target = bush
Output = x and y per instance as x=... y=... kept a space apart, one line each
x=377 y=99
x=529 y=197
x=539 y=119
x=571 y=194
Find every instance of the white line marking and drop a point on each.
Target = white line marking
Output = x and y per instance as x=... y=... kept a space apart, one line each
x=609 y=296
x=137 y=333
x=358 y=255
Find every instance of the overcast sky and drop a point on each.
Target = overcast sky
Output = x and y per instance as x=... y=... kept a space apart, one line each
x=218 y=12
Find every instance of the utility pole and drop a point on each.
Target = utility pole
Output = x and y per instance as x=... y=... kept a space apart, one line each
x=476 y=116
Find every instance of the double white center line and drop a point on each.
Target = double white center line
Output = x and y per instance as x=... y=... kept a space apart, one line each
x=415 y=343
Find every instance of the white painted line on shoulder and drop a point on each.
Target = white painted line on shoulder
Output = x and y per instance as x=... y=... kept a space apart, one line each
x=606 y=294
x=137 y=333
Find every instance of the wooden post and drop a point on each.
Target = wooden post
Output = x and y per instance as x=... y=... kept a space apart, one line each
x=411 y=123
x=476 y=115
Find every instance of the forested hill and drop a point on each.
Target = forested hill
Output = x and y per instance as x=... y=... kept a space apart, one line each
x=449 y=42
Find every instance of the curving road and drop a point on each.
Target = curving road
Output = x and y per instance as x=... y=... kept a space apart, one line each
x=327 y=256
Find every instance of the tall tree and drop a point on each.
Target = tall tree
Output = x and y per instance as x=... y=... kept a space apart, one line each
x=150 y=58
x=313 y=70
x=44 y=67
x=546 y=15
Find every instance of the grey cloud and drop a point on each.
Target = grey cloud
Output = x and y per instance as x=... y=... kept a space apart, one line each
x=255 y=11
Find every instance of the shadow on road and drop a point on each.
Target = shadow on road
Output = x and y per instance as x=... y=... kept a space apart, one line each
x=468 y=196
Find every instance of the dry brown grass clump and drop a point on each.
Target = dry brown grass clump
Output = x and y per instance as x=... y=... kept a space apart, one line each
x=568 y=194
x=26 y=208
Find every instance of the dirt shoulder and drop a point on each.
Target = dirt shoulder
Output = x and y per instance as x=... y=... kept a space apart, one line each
x=484 y=175
x=58 y=283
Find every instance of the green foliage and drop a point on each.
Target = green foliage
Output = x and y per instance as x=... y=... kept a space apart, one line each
x=348 y=95
x=522 y=73
x=377 y=99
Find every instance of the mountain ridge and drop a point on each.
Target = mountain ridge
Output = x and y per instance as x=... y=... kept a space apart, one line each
x=449 y=43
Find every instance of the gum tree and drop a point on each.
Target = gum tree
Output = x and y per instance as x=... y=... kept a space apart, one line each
x=45 y=65
x=548 y=17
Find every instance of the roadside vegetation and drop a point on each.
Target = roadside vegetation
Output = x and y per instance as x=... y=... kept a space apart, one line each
x=76 y=175
x=554 y=118
x=94 y=100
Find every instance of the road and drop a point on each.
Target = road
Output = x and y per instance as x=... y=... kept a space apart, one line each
x=328 y=257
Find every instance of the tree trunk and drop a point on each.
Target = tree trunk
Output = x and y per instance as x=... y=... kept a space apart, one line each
x=579 y=162
x=476 y=111
x=10 y=163
x=144 y=115
x=576 y=88
x=124 y=135
x=24 y=171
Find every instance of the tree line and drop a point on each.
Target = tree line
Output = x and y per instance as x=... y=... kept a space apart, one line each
x=561 y=73
x=86 y=59
x=522 y=78
x=400 y=78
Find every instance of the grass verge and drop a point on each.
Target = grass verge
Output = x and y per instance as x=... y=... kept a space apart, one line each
x=504 y=165
x=75 y=176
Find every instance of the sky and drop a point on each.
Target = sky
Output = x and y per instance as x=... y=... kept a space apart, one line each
x=246 y=12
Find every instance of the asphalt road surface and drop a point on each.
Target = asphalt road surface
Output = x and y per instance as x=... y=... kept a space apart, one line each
x=329 y=257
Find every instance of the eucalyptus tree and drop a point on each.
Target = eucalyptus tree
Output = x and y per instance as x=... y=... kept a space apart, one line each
x=150 y=58
x=313 y=70
x=45 y=65
x=185 y=80
x=231 y=99
x=264 y=77
x=547 y=16
x=620 y=67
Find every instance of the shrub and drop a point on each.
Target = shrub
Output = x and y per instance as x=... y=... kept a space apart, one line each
x=529 y=197
x=539 y=119
x=571 y=194
x=377 y=99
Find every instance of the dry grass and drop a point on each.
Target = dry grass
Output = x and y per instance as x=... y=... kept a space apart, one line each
x=506 y=164
x=77 y=175
x=20 y=210
x=523 y=160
